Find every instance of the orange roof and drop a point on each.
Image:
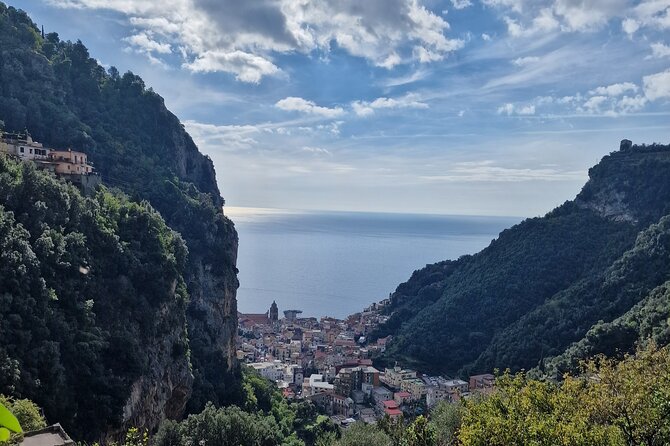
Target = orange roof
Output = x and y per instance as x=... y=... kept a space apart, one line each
x=392 y=412
x=390 y=404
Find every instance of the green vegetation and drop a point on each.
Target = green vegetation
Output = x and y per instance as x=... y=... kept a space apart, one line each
x=611 y=403
x=65 y=99
x=543 y=284
x=266 y=419
x=17 y=417
x=83 y=284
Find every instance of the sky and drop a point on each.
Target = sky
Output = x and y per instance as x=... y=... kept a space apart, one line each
x=471 y=107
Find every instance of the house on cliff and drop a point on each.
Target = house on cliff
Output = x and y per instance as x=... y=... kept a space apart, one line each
x=68 y=164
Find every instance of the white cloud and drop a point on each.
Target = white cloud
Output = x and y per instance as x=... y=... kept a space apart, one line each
x=486 y=37
x=317 y=150
x=526 y=18
x=615 y=89
x=587 y=15
x=659 y=50
x=242 y=38
x=629 y=104
x=365 y=108
x=593 y=104
x=145 y=43
x=488 y=171
x=511 y=109
x=657 y=86
x=648 y=13
x=521 y=61
x=461 y=4
x=630 y=26
x=222 y=136
x=292 y=103
x=246 y=67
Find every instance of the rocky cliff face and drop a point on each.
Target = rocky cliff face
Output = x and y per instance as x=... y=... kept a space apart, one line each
x=165 y=387
x=66 y=99
x=628 y=185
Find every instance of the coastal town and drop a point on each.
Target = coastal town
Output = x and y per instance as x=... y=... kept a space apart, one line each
x=329 y=362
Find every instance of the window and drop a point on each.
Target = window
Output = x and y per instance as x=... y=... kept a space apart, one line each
x=21 y=149
x=31 y=151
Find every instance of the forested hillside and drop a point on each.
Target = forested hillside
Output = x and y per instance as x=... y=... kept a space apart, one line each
x=65 y=99
x=595 y=265
x=92 y=297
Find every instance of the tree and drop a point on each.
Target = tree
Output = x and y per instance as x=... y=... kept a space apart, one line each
x=634 y=395
x=445 y=418
x=360 y=434
x=420 y=433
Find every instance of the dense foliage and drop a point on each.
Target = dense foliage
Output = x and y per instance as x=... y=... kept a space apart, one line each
x=266 y=419
x=541 y=285
x=65 y=99
x=82 y=282
x=610 y=403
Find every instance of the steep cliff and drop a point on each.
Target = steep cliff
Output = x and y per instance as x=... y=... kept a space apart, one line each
x=542 y=284
x=92 y=305
x=66 y=99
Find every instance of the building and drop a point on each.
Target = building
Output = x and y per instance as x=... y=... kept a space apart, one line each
x=69 y=164
x=293 y=374
x=349 y=379
x=395 y=376
x=274 y=371
x=291 y=315
x=315 y=384
x=274 y=312
x=414 y=386
x=380 y=394
x=391 y=409
x=402 y=398
x=251 y=320
x=456 y=386
x=49 y=436
x=485 y=381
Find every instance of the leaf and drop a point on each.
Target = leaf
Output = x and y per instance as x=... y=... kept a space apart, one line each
x=4 y=434
x=9 y=421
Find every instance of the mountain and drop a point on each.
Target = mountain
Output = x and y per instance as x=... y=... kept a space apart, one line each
x=65 y=99
x=588 y=277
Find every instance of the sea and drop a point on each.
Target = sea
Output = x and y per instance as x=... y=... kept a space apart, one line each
x=337 y=263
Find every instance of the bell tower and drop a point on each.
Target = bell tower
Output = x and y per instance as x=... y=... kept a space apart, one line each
x=274 y=312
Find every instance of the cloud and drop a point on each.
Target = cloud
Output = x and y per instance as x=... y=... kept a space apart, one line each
x=317 y=150
x=659 y=50
x=487 y=171
x=461 y=4
x=653 y=14
x=526 y=18
x=521 y=61
x=657 y=86
x=365 y=108
x=243 y=38
x=145 y=43
x=511 y=109
x=615 y=89
x=486 y=37
x=292 y=103
x=246 y=67
x=222 y=136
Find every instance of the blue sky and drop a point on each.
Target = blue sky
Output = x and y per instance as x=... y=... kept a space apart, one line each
x=489 y=107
